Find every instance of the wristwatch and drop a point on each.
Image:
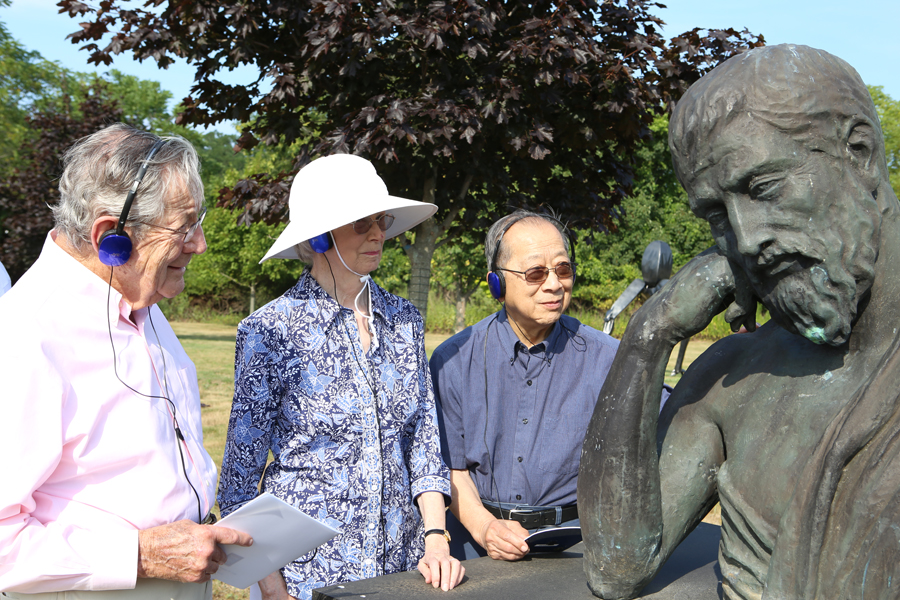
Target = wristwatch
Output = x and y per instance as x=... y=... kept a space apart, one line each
x=442 y=532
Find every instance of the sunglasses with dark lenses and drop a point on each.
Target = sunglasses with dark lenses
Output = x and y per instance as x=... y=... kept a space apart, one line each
x=563 y=270
x=364 y=225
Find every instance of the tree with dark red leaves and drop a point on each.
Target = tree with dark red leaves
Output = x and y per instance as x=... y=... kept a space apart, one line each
x=540 y=103
x=25 y=195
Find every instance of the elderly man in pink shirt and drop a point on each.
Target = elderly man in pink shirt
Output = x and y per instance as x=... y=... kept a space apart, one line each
x=106 y=484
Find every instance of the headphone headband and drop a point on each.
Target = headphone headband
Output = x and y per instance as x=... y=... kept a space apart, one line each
x=114 y=245
x=129 y=199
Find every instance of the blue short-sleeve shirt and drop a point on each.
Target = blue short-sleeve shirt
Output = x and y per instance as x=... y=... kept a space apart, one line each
x=520 y=437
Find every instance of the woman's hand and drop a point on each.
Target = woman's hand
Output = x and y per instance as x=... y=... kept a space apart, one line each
x=274 y=588
x=437 y=566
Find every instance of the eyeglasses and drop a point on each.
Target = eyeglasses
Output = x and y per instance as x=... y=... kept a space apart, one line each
x=191 y=230
x=364 y=225
x=536 y=275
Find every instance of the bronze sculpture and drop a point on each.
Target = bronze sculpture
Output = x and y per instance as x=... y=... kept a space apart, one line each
x=794 y=429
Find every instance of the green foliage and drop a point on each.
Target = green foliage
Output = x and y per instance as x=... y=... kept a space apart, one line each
x=459 y=264
x=889 y=115
x=393 y=272
x=657 y=210
x=442 y=311
x=24 y=193
x=24 y=77
x=228 y=274
x=143 y=102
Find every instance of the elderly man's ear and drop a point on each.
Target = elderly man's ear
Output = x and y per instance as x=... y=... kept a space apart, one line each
x=102 y=225
x=862 y=151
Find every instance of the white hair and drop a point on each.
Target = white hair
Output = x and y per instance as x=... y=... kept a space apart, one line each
x=99 y=169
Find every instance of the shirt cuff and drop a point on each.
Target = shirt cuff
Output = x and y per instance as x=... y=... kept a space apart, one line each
x=430 y=483
x=116 y=564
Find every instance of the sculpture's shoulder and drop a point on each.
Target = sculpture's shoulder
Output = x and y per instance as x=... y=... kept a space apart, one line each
x=732 y=353
x=743 y=366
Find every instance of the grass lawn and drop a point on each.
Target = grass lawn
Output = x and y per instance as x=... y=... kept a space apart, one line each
x=211 y=347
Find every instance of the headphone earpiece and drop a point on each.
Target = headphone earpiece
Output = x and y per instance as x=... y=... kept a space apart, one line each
x=114 y=248
x=496 y=285
x=320 y=243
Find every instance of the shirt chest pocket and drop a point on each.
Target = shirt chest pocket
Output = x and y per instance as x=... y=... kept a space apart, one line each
x=560 y=442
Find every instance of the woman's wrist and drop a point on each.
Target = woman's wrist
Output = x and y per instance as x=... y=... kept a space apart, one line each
x=438 y=532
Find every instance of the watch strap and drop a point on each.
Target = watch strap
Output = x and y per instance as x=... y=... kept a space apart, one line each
x=442 y=532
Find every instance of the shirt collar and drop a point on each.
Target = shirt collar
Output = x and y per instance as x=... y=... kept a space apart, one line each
x=80 y=281
x=307 y=287
x=511 y=342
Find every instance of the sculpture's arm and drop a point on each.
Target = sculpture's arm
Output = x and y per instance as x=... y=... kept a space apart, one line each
x=636 y=506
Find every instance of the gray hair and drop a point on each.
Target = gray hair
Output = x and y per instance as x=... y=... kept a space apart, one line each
x=99 y=169
x=502 y=225
x=809 y=94
x=305 y=252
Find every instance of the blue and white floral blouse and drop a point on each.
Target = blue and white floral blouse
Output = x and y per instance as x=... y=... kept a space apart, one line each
x=342 y=454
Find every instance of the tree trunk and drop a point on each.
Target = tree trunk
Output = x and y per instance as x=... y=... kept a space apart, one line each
x=420 y=254
x=421 y=251
x=461 y=301
x=252 y=298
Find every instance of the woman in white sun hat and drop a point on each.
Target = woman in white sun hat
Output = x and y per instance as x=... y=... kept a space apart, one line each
x=332 y=378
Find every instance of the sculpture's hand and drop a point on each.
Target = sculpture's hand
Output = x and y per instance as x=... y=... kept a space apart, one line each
x=703 y=288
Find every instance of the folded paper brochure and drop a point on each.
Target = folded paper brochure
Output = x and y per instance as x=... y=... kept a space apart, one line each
x=280 y=532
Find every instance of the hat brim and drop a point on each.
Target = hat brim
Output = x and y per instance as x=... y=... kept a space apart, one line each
x=407 y=214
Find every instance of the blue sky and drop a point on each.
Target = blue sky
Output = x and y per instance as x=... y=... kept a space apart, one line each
x=863 y=33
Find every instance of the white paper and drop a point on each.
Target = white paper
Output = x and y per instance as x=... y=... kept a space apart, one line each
x=281 y=534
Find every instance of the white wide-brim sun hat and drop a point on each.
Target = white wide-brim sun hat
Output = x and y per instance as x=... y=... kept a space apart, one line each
x=336 y=190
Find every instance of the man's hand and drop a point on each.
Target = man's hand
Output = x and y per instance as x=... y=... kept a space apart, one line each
x=438 y=567
x=185 y=551
x=504 y=540
x=703 y=288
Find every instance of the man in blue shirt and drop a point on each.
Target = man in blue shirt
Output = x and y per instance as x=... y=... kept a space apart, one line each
x=515 y=393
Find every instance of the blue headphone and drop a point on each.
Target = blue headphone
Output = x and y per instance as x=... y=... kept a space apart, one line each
x=115 y=245
x=320 y=243
x=495 y=280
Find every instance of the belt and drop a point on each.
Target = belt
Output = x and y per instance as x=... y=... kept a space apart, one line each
x=535 y=518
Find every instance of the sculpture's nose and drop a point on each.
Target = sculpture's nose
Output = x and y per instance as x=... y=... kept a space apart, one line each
x=752 y=231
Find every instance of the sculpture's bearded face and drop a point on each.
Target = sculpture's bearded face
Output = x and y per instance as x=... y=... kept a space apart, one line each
x=797 y=220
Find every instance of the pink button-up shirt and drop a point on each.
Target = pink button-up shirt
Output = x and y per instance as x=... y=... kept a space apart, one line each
x=87 y=462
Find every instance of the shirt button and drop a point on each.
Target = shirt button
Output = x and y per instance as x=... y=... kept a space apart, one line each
x=371 y=525
x=518 y=496
x=529 y=382
x=524 y=421
x=520 y=459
